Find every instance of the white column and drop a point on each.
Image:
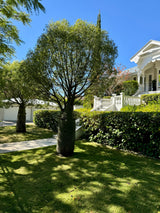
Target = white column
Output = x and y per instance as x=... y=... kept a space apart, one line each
x=157 y=79
x=157 y=72
x=138 y=78
x=143 y=82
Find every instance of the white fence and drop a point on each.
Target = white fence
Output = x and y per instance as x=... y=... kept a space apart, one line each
x=115 y=103
x=10 y=114
x=131 y=100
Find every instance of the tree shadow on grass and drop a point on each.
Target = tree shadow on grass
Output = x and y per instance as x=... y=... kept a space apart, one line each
x=9 y=134
x=94 y=179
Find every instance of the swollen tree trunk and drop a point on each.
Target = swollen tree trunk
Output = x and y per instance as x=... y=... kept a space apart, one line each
x=21 y=119
x=66 y=132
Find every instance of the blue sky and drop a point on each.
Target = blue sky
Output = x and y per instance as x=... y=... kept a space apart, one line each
x=131 y=24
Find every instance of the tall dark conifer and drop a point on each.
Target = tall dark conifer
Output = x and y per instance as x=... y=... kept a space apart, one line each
x=97 y=56
x=98 y=49
x=99 y=21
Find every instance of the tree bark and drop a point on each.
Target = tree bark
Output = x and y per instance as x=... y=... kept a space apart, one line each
x=66 y=132
x=21 y=119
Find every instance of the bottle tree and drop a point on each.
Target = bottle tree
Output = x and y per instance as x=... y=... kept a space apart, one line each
x=65 y=63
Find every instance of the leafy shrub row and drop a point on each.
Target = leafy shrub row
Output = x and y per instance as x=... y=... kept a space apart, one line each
x=151 y=98
x=138 y=132
x=142 y=108
x=47 y=119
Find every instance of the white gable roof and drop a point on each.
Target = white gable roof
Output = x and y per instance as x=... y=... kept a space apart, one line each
x=148 y=48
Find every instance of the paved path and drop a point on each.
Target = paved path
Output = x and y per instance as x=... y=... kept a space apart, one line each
x=12 y=123
x=25 y=145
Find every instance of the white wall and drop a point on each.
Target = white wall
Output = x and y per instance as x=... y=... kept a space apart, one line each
x=1 y=114
x=10 y=114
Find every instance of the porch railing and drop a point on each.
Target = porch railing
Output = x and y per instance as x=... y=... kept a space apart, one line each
x=115 y=103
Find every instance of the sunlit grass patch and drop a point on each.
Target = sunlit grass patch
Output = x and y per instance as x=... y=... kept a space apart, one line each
x=95 y=179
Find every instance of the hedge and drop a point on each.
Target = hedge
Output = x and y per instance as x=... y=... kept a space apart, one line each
x=47 y=119
x=142 y=108
x=134 y=131
x=151 y=98
x=138 y=132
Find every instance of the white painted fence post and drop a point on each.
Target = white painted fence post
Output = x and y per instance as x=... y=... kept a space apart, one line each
x=95 y=102
x=114 y=101
x=122 y=99
x=113 y=98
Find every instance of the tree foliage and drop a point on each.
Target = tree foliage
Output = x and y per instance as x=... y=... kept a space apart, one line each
x=110 y=82
x=64 y=58
x=15 y=90
x=63 y=64
x=115 y=85
x=13 y=10
x=130 y=87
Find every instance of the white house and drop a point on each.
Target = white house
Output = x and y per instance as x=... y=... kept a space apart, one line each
x=147 y=71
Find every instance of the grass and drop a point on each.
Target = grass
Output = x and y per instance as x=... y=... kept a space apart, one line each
x=8 y=134
x=95 y=179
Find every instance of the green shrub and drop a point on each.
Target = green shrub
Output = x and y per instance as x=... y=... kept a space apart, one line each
x=88 y=101
x=82 y=110
x=138 y=132
x=78 y=102
x=151 y=98
x=107 y=97
x=150 y=108
x=130 y=87
x=47 y=119
x=129 y=108
x=142 y=108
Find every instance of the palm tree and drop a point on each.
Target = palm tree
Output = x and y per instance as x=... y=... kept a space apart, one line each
x=12 y=10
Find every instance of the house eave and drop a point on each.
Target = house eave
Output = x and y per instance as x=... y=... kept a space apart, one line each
x=136 y=57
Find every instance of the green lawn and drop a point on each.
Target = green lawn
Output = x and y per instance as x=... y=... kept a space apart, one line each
x=8 y=134
x=95 y=180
